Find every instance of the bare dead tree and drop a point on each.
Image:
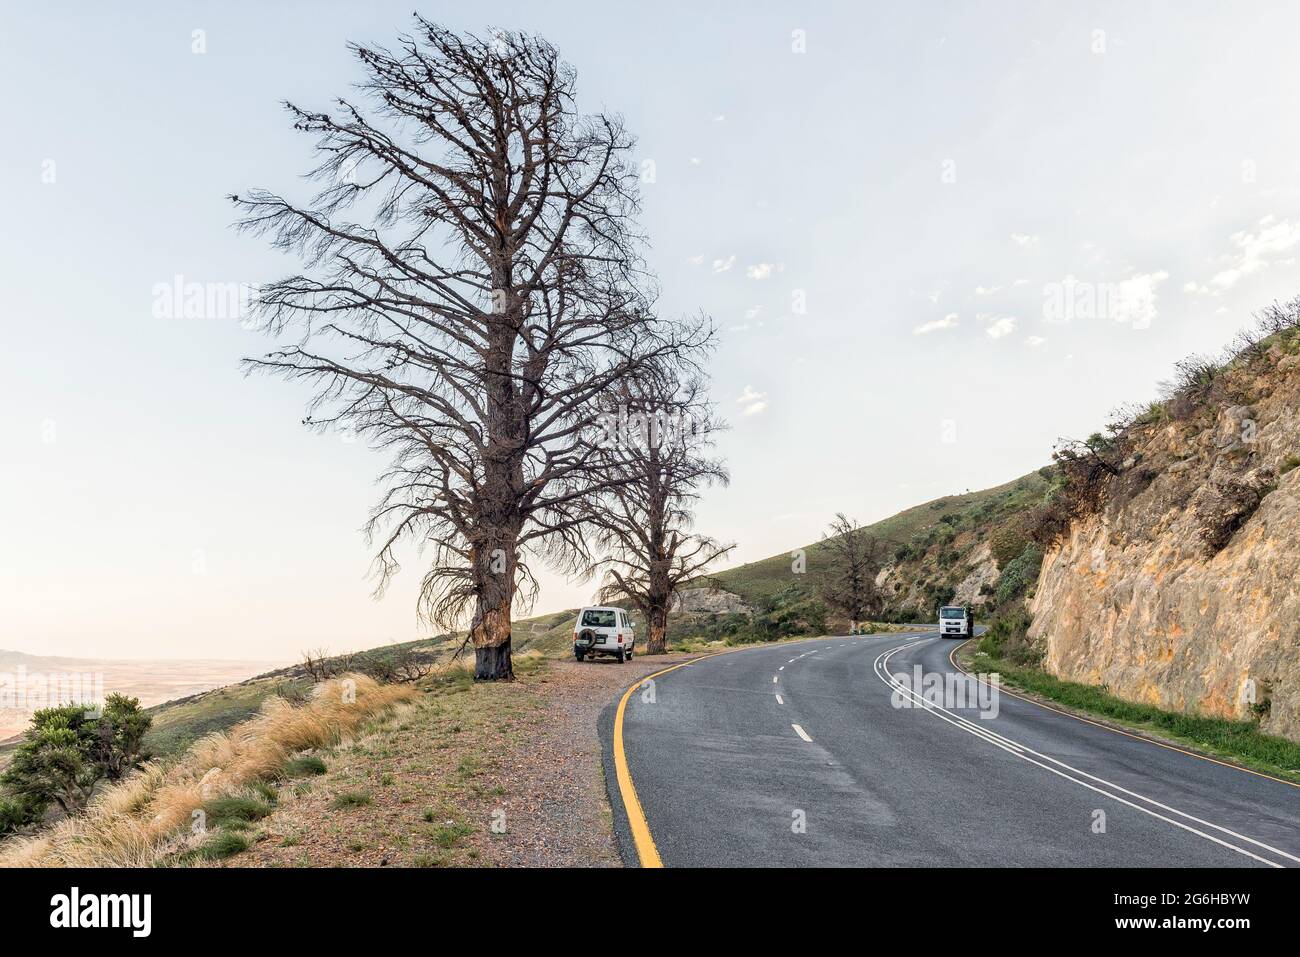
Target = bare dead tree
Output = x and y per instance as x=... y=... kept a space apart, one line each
x=659 y=443
x=473 y=281
x=856 y=556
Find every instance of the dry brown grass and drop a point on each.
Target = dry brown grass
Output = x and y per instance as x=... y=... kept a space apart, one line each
x=142 y=819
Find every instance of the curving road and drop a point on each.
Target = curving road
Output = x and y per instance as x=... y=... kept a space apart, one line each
x=811 y=754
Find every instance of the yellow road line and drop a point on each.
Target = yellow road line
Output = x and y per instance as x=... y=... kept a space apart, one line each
x=1106 y=727
x=646 y=851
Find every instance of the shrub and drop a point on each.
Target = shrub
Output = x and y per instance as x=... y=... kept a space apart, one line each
x=789 y=612
x=397 y=664
x=1019 y=574
x=1006 y=542
x=70 y=748
x=119 y=735
x=16 y=813
x=1008 y=639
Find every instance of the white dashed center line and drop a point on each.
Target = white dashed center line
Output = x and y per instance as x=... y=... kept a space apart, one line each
x=801 y=732
x=779 y=700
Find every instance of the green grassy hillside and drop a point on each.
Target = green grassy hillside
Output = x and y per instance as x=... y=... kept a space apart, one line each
x=930 y=547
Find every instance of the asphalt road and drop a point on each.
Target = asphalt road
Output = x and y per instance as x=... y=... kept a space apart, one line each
x=810 y=754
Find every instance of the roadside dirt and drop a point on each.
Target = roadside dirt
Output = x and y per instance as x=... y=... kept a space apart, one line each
x=502 y=775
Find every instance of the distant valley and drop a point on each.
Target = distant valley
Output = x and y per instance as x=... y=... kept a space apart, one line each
x=29 y=681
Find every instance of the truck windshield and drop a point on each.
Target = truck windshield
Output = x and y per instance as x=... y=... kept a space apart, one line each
x=598 y=619
x=954 y=612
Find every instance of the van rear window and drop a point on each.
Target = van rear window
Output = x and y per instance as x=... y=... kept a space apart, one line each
x=598 y=619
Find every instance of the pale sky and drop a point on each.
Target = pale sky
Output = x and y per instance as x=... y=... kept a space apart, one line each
x=898 y=214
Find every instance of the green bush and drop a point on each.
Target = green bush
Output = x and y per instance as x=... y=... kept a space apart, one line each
x=1006 y=543
x=1008 y=639
x=787 y=613
x=1018 y=575
x=70 y=748
x=16 y=813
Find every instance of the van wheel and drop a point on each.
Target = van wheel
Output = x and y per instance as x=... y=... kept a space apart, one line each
x=629 y=654
x=621 y=657
x=579 y=655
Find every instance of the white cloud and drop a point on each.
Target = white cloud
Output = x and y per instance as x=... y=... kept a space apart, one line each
x=720 y=118
x=696 y=161
x=1024 y=239
x=1135 y=300
x=696 y=260
x=999 y=326
x=753 y=311
x=751 y=401
x=1252 y=250
x=763 y=270
x=947 y=322
x=722 y=265
x=987 y=290
x=1035 y=341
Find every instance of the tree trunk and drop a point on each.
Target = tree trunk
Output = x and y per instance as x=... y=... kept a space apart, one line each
x=495 y=557
x=494 y=572
x=657 y=626
x=490 y=633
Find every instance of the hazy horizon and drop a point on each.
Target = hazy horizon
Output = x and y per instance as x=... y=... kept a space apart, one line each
x=933 y=241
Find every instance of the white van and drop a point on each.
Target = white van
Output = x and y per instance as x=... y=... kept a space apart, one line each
x=604 y=630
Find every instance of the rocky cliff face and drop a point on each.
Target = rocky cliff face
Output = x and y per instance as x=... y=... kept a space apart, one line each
x=1182 y=589
x=707 y=600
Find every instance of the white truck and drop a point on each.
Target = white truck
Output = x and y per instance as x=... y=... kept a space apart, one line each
x=956 y=621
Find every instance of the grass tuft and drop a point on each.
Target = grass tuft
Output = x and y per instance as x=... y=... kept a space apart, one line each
x=304 y=766
x=350 y=799
x=223 y=844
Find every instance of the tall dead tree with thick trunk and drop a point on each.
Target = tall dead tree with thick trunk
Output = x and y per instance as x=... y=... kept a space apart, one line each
x=849 y=586
x=657 y=443
x=473 y=285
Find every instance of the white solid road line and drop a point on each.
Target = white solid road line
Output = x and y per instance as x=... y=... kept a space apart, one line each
x=1021 y=751
x=801 y=732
